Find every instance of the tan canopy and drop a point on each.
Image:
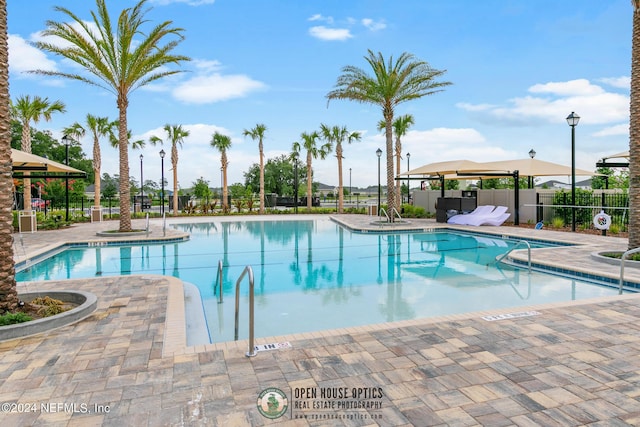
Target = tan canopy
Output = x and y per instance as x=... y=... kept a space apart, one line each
x=529 y=167
x=624 y=154
x=445 y=168
x=24 y=162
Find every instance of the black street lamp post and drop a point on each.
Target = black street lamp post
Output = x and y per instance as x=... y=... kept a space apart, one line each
x=141 y=186
x=572 y=120
x=65 y=140
x=349 y=185
x=379 y=153
x=408 y=192
x=162 y=179
x=295 y=182
x=532 y=154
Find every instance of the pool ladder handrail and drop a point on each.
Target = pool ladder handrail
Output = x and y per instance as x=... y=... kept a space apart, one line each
x=393 y=211
x=622 y=259
x=219 y=278
x=247 y=271
x=504 y=255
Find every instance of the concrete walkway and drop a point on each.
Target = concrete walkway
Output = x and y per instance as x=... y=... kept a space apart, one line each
x=557 y=364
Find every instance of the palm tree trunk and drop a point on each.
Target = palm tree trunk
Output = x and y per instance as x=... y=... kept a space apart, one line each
x=123 y=152
x=26 y=181
x=174 y=165
x=309 y=183
x=634 y=133
x=391 y=196
x=225 y=190
x=97 y=160
x=398 y=161
x=340 y=192
x=261 y=178
x=8 y=293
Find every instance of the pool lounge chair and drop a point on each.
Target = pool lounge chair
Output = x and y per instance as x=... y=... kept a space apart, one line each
x=496 y=217
x=462 y=218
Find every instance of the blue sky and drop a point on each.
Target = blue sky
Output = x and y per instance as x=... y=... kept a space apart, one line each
x=518 y=68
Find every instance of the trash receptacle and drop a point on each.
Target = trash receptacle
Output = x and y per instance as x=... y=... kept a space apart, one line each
x=96 y=213
x=27 y=222
x=373 y=210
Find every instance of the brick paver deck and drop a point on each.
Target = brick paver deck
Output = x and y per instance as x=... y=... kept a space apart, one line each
x=571 y=364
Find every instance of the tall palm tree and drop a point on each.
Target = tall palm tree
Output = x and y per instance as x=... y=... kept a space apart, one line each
x=98 y=127
x=222 y=143
x=634 y=133
x=176 y=135
x=400 y=127
x=119 y=59
x=310 y=144
x=27 y=110
x=8 y=292
x=337 y=135
x=258 y=133
x=392 y=83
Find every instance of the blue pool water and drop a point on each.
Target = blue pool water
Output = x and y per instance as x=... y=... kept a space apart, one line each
x=313 y=274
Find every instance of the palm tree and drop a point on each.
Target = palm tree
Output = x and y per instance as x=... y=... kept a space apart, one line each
x=338 y=135
x=258 y=133
x=309 y=143
x=99 y=127
x=176 y=135
x=634 y=133
x=119 y=59
x=400 y=126
x=27 y=110
x=8 y=292
x=392 y=83
x=222 y=143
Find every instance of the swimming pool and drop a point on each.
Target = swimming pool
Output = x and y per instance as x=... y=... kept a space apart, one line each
x=314 y=274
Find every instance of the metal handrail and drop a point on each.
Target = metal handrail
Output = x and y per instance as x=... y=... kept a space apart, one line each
x=503 y=256
x=218 y=280
x=385 y=214
x=249 y=271
x=622 y=259
x=394 y=210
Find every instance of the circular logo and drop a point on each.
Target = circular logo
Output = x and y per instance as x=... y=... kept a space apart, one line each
x=272 y=403
x=602 y=221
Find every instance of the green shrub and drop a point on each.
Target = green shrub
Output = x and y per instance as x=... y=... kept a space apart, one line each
x=557 y=222
x=13 y=318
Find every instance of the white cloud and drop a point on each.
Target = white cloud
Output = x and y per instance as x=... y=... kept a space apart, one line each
x=572 y=87
x=622 y=129
x=622 y=82
x=372 y=25
x=323 y=33
x=23 y=57
x=319 y=17
x=591 y=102
x=216 y=87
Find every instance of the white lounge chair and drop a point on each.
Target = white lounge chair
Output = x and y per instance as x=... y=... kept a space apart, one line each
x=495 y=217
x=462 y=218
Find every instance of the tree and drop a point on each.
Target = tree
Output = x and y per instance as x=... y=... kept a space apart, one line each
x=400 y=126
x=634 y=133
x=28 y=110
x=99 y=127
x=257 y=132
x=392 y=83
x=8 y=291
x=337 y=135
x=222 y=143
x=201 y=189
x=176 y=135
x=309 y=143
x=120 y=60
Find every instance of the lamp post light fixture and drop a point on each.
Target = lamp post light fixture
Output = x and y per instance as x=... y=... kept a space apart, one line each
x=162 y=153
x=378 y=153
x=141 y=186
x=349 y=185
x=572 y=120
x=532 y=154
x=408 y=169
x=66 y=140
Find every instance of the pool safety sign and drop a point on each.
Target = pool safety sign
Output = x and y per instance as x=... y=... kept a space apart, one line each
x=510 y=315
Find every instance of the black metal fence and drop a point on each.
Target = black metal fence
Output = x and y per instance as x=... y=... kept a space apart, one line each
x=558 y=205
